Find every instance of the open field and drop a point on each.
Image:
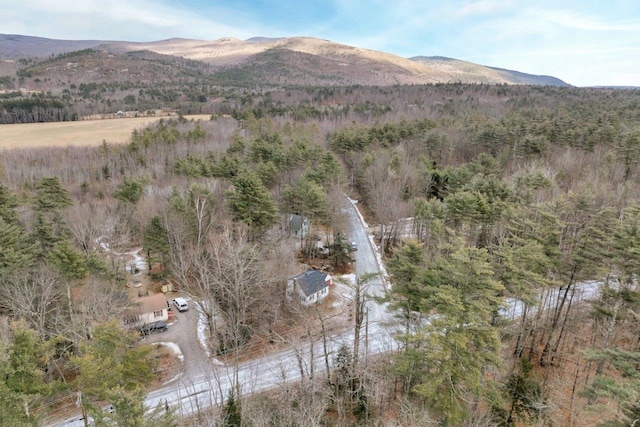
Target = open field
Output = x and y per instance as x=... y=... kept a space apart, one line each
x=80 y=133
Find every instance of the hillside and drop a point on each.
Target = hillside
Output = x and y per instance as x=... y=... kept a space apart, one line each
x=470 y=72
x=13 y=46
x=288 y=61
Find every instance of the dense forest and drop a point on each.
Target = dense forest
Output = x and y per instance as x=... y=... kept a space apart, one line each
x=511 y=193
x=90 y=83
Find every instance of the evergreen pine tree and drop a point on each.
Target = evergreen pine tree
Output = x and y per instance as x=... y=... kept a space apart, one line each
x=250 y=201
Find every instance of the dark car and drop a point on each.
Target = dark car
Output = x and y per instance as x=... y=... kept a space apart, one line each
x=153 y=328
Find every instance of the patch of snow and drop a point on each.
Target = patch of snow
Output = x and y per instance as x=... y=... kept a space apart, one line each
x=202 y=330
x=345 y=285
x=139 y=263
x=348 y=278
x=381 y=267
x=202 y=335
x=582 y=291
x=104 y=245
x=177 y=377
x=135 y=265
x=176 y=350
x=174 y=347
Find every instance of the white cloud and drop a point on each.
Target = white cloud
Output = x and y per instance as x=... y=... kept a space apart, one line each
x=580 y=21
x=582 y=42
x=136 y=20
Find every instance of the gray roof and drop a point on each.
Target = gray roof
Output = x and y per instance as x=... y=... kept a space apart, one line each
x=295 y=222
x=311 y=281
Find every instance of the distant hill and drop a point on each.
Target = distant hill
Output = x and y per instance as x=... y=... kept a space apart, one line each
x=16 y=46
x=468 y=71
x=94 y=66
x=279 y=61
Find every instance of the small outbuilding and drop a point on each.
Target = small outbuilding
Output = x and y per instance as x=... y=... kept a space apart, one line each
x=310 y=287
x=297 y=225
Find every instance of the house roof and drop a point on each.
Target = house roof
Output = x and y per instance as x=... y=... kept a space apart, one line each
x=311 y=281
x=295 y=221
x=150 y=304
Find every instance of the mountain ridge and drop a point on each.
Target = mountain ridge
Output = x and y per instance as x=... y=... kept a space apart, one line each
x=302 y=60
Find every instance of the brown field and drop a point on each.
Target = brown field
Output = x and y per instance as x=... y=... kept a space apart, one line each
x=80 y=133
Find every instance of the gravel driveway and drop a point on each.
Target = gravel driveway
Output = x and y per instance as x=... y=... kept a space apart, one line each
x=183 y=332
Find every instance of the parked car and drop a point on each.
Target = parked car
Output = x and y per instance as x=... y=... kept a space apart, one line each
x=181 y=304
x=153 y=327
x=354 y=246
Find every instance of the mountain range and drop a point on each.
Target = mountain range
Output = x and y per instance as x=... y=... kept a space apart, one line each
x=267 y=61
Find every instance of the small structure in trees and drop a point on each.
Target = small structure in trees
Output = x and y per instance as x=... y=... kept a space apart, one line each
x=146 y=310
x=295 y=224
x=311 y=287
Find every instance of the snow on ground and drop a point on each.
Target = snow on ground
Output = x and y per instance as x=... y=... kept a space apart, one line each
x=582 y=291
x=176 y=350
x=202 y=330
x=344 y=285
x=138 y=264
x=217 y=362
x=173 y=347
x=347 y=278
x=134 y=262
x=202 y=335
x=383 y=271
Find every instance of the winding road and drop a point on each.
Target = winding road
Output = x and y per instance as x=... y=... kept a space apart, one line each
x=202 y=385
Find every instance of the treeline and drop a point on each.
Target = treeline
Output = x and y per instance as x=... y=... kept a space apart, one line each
x=35 y=109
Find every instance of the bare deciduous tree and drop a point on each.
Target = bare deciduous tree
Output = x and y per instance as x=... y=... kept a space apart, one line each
x=37 y=296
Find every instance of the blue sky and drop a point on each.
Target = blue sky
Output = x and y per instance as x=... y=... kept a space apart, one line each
x=584 y=42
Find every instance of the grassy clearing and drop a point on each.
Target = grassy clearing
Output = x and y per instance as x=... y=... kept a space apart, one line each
x=81 y=133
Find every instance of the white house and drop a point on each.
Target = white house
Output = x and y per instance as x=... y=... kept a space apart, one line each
x=146 y=310
x=310 y=287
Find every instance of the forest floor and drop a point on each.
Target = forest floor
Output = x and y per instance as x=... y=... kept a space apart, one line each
x=567 y=377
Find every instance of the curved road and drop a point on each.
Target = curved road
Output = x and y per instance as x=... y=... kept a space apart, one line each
x=205 y=384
